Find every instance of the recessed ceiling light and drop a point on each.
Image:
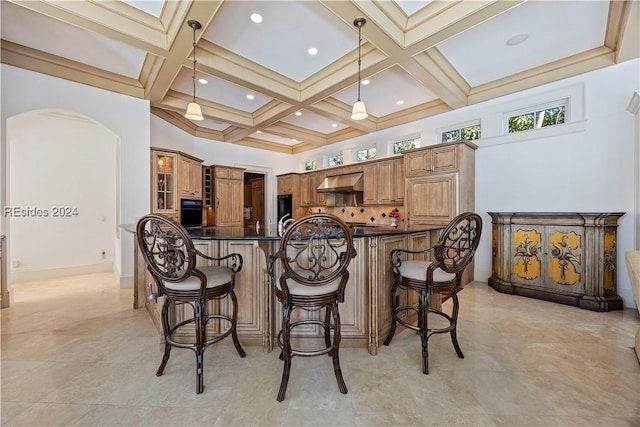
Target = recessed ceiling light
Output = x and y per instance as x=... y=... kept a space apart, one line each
x=203 y=81
x=334 y=125
x=400 y=102
x=250 y=96
x=256 y=18
x=516 y=40
x=312 y=51
x=365 y=82
x=258 y=131
x=294 y=140
x=298 y=113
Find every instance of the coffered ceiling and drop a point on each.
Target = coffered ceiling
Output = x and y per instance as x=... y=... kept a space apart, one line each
x=265 y=90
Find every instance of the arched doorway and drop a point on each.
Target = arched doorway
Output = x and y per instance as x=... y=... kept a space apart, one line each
x=62 y=192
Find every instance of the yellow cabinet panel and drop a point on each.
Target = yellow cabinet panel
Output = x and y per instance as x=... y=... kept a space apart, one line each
x=527 y=245
x=563 y=267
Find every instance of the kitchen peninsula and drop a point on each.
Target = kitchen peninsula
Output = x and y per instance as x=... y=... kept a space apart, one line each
x=365 y=314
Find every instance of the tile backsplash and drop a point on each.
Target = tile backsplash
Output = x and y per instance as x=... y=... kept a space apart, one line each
x=378 y=215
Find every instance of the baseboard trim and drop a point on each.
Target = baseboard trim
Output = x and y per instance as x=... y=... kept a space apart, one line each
x=627 y=297
x=481 y=275
x=126 y=282
x=55 y=273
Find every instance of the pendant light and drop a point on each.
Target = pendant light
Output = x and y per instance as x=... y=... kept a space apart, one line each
x=359 y=110
x=193 y=109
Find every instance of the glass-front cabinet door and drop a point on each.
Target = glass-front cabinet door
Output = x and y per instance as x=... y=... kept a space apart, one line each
x=163 y=182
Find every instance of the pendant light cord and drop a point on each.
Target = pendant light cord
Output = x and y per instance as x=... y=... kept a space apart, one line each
x=359 y=57
x=194 y=63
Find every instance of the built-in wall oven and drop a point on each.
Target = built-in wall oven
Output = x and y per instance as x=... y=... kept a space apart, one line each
x=191 y=213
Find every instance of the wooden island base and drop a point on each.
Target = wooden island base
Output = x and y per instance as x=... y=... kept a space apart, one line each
x=365 y=314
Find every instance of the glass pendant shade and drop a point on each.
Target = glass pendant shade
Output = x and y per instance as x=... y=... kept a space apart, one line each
x=194 y=112
x=359 y=111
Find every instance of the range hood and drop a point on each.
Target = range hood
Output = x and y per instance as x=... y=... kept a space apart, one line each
x=342 y=183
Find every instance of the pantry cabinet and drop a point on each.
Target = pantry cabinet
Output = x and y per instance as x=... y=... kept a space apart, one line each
x=440 y=182
x=568 y=258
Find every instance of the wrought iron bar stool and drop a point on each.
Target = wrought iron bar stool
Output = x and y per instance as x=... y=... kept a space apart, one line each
x=314 y=254
x=453 y=252
x=171 y=257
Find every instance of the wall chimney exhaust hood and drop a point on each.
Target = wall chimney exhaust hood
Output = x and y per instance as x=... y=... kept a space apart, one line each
x=342 y=183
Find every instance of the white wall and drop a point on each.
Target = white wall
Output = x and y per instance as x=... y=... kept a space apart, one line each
x=63 y=169
x=634 y=108
x=126 y=117
x=586 y=166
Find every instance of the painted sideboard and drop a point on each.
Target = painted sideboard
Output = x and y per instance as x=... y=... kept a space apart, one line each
x=565 y=257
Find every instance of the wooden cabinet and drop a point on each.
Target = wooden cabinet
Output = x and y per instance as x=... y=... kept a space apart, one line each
x=435 y=158
x=315 y=179
x=398 y=180
x=306 y=194
x=190 y=181
x=174 y=176
x=228 y=196
x=164 y=183
x=568 y=258
x=384 y=182
x=207 y=186
x=255 y=299
x=380 y=282
x=432 y=199
x=370 y=182
x=288 y=183
x=440 y=182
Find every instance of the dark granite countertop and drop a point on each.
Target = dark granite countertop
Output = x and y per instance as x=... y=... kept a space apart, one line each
x=270 y=232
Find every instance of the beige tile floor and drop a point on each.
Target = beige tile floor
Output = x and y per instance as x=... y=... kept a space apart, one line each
x=74 y=352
